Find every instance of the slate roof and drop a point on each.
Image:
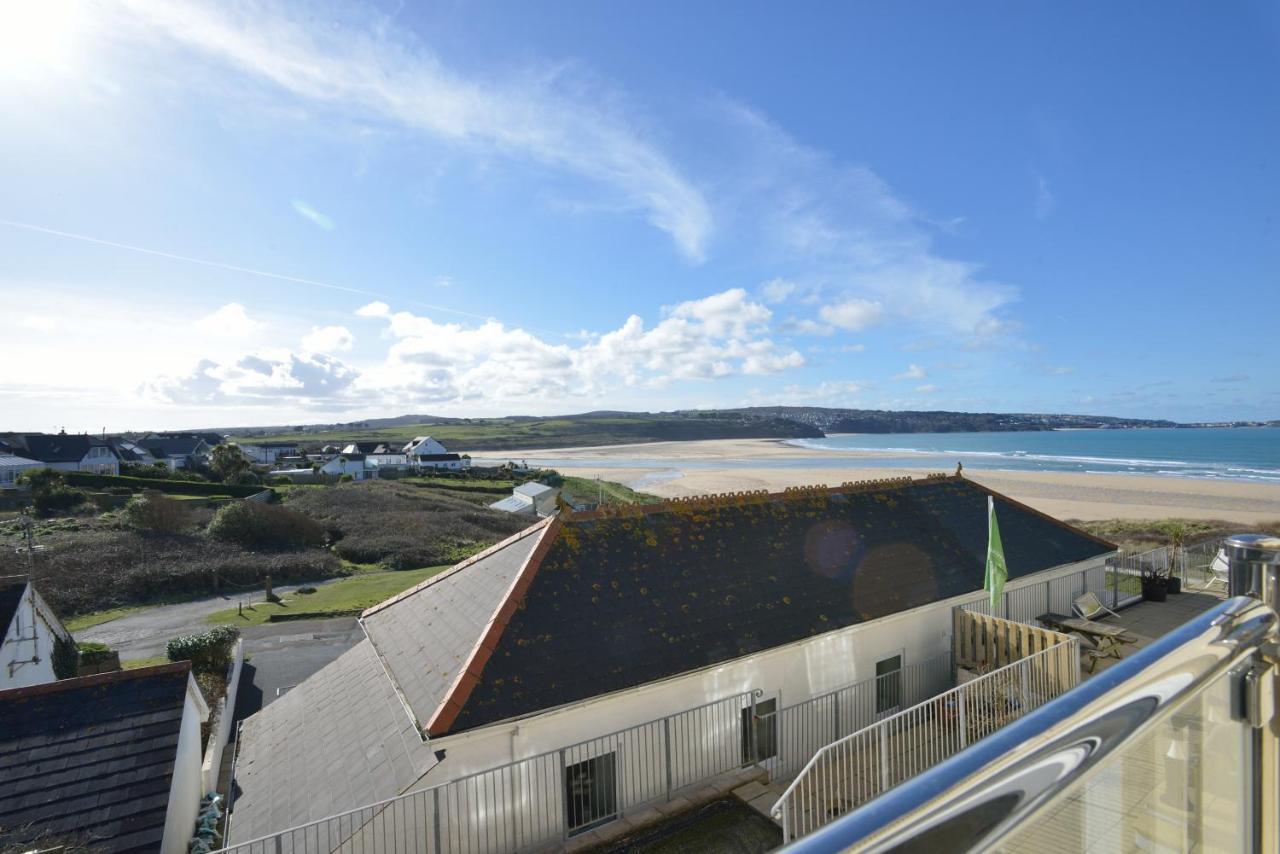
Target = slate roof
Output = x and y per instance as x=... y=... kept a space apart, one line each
x=92 y=757
x=339 y=740
x=606 y=601
x=59 y=448
x=373 y=448
x=10 y=461
x=174 y=446
x=513 y=504
x=533 y=489
x=427 y=634
x=11 y=590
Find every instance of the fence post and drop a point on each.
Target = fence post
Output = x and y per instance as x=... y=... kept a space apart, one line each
x=1024 y=674
x=961 y=702
x=1004 y=605
x=435 y=818
x=884 y=758
x=755 y=749
x=564 y=787
x=835 y=716
x=666 y=741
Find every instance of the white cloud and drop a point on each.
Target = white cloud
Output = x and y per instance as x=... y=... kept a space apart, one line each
x=807 y=326
x=1045 y=201
x=853 y=314
x=307 y=212
x=231 y=321
x=777 y=290
x=328 y=339
x=309 y=379
x=853 y=348
x=444 y=281
x=547 y=116
x=913 y=372
x=374 y=309
x=927 y=388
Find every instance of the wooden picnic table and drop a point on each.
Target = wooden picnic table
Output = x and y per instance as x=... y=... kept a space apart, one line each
x=1104 y=641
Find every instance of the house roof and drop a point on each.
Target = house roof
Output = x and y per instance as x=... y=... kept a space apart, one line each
x=513 y=504
x=612 y=600
x=55 y=448
x=93 y=756
x=374 y=448
x=340 y=739
x=533 y=489
x=9 y=461
x=11 y=590
x=173 y=446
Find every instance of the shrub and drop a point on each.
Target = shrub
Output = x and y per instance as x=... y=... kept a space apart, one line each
x=66 y=658
x=255 y=525
x=208 y=652
x=160 y=471
x=172 y=487
x=152 y=511
x=92 y=652
x=56 y=499
x=346 y=478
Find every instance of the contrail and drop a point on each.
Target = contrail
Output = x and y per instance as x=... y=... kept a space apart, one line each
x=236 y=269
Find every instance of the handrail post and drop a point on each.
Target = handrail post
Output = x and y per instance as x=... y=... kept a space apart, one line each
x=755 y=750
x=962 y=705
x=884 y=758
x=435 y=817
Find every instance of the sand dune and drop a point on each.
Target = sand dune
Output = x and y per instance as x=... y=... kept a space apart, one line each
x=673 y=469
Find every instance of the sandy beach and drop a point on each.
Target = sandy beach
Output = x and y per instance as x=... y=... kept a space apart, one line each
x=674 y=469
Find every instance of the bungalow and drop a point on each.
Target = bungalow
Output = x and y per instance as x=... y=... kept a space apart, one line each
x=426 y=452
x=530 y=499
x=548 y=663
x=268 y=452
x=129 y=451
x=12 y=467
x=178 y=450
x=107 y=763
x=31 y=631
x=65 y=452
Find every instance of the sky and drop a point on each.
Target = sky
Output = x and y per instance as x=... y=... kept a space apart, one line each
x=242 y=213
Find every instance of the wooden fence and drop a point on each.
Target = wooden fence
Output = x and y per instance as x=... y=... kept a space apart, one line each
x=983 y=643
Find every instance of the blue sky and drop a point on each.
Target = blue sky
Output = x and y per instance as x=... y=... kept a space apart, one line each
x=235 y=213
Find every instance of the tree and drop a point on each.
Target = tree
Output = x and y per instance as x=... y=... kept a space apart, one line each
x=228 y=464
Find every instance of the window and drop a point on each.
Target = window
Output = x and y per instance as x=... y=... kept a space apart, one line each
x=888 y=684
x=765 y=727
x=590 y=793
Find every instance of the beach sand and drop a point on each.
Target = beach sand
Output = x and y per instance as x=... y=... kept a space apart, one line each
x=676 y=469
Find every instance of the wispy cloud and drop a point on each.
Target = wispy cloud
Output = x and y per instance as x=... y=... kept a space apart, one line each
x=1045 y=202
x=913 y=372
x=543 y=115
x=230 y=320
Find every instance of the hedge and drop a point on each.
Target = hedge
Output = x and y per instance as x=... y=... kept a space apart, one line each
x=175 y=487
x=208 y=652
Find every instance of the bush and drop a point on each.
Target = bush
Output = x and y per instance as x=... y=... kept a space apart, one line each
x=208 y=652
x=172 y=487
x=56 y=499
x=160 y=471
x=346 y=478
x=152 y=511
x=255 y=525
x=92 y=652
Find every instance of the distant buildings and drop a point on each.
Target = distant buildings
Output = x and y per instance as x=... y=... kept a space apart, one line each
x=178 y=450
x=426 y=452
x=530 y=499
x=63 y=451
x=267 y=453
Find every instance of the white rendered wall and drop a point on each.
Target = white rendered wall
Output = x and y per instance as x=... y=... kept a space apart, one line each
x=187 y=786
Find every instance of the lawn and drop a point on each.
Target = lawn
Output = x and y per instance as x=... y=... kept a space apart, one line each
x=346 y=596
x=589 y=490
x=97 y=618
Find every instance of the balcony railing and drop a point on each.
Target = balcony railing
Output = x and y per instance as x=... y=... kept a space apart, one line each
x=1173 y=748
x=857 y=768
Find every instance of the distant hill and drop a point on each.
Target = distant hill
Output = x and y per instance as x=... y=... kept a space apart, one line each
x=888 y=421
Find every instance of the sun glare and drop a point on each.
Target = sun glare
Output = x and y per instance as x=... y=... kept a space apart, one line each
x=40 y=37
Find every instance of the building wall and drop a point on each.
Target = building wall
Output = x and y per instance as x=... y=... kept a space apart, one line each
x=791 y=674
x=26 y=657
x=187 y=786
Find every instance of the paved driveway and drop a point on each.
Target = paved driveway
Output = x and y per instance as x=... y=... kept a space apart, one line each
x=284 y=654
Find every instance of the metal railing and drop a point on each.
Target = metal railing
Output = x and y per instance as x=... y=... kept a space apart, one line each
x=863 y=765
x=1025 y=602
x=541 y=799
x=1170 y=749
x=1193 y=565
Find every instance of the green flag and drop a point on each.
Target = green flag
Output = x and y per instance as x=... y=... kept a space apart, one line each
x=997 y=572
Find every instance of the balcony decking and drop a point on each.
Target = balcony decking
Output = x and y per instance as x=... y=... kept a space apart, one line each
x=1147 y=621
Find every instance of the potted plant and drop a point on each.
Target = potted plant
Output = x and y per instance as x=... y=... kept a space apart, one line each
x=1155 y=584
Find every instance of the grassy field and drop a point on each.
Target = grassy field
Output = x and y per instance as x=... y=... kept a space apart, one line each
x=346 y=596
x=497 y=434
x=97 y=618
x=1139 y=535
x=587 y=489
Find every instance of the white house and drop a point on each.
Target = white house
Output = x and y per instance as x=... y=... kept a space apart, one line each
x=529 y=499
x=266 y=453
x=178 y=450
x=562 y=648
x=128 y=759
x=381 y=454
x=356 y=465
x=64 y=452
x=426 y=452
x=30 y=631
x=12 y=467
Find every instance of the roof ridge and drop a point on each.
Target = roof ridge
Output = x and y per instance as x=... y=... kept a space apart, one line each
x=1059 y=522
x=96 y=679
x=469 y=674
x=457 y=567
x=720 y=499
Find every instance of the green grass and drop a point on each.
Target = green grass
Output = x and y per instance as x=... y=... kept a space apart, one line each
x=348 y=595
x=135 y=663
x=97 y=618
x=587 y=489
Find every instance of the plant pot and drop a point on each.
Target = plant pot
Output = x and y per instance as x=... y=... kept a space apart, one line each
x=1155 y=591
x=1175 y=584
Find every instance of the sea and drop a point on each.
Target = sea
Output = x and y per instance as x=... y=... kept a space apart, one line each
x=1247 y=454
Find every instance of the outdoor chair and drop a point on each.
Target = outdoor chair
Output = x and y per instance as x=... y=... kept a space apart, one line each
x=1219 y=571
x=1088 y=607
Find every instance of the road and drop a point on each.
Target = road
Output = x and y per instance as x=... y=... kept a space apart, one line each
x=145 y=634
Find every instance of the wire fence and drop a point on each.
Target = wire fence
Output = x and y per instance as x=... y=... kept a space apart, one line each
x=849 y=772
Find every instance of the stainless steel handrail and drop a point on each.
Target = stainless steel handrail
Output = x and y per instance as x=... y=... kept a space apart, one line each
x=977 y=796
